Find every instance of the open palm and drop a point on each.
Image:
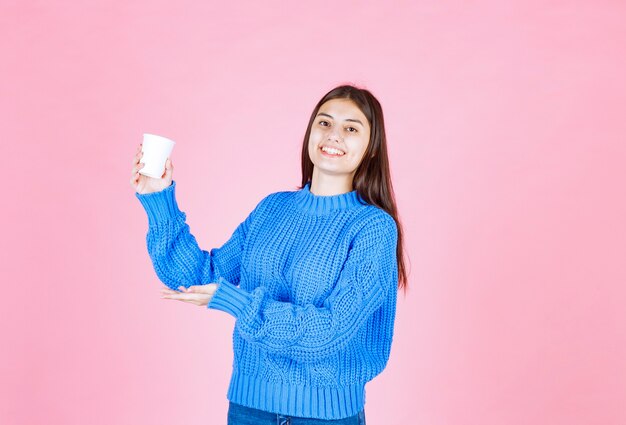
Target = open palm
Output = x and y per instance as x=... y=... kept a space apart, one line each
x=198 y=294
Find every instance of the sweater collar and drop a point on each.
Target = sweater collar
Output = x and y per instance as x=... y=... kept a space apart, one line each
x=323 y=204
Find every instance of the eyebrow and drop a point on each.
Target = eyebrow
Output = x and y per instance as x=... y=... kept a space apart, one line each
x=348 y=119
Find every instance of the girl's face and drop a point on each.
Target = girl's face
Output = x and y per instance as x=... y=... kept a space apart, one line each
x=341 y=127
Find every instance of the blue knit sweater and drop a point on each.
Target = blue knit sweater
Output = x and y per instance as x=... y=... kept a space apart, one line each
x=312 y=283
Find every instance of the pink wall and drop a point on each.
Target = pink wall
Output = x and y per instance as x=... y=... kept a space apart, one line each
x=506 y=131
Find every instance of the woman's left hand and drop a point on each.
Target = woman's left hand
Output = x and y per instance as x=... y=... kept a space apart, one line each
x=197 y=294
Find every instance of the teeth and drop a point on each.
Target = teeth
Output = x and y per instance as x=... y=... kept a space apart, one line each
x=332 y=151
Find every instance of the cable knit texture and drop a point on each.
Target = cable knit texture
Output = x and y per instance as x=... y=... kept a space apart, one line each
x=312 y=283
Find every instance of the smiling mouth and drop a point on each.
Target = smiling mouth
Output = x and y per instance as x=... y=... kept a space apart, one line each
x=331 y=152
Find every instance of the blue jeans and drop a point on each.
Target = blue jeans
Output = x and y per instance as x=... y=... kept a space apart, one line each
x=242 y=415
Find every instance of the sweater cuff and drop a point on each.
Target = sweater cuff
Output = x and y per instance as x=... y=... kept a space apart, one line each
x=160 y=206
x=229 y=298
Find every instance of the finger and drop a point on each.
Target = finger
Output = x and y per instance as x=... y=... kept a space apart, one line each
x=134 y=180
x=169 y=291
x=181 y=297
x=134 y=176
x=137 y=157
x=138 y=167
x=165 y=172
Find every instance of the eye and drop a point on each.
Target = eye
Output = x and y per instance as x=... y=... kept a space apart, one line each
x=355 y=130
x=322 y=121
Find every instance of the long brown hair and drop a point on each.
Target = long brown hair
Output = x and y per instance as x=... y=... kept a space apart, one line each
x=372 y=179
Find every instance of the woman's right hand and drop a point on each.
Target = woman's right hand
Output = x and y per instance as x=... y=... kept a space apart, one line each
x=144 y=184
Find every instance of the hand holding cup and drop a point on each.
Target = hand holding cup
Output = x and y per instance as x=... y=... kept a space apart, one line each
x=145 y=180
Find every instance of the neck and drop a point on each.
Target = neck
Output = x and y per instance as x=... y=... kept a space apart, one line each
x=329 y=185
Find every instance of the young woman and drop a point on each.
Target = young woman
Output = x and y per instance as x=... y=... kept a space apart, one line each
x=311 y=275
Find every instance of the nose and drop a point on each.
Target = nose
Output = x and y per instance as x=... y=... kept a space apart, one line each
x=333 y=135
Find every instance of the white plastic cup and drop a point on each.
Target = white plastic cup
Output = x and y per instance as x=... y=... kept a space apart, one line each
x=156 y=150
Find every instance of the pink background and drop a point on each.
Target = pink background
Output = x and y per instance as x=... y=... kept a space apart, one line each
x=506 y=134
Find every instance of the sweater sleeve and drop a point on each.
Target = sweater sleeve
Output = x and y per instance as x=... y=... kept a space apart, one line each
x=308 y=333
x=176 y=257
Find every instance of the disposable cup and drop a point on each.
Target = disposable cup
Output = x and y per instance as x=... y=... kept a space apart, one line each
x=156 y=150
